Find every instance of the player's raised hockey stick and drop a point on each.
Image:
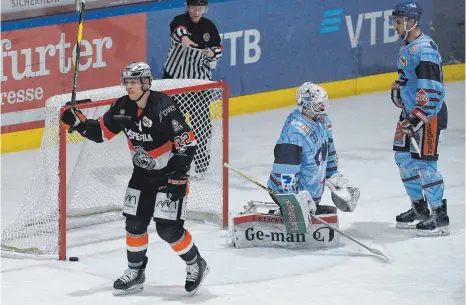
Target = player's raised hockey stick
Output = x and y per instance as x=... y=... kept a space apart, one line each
x=377 y=253
x=82 y=4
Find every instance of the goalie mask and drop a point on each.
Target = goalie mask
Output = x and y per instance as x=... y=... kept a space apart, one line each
x=140 y=71
x=312 y=100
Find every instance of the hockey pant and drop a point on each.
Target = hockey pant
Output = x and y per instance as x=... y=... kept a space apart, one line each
x=142 y=202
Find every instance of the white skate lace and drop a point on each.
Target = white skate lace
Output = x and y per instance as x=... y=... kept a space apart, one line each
x=193 y=272
x=129 y=275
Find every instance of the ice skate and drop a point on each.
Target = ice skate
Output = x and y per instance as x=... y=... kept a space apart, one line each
x=437 y=224
x=132 y=281
x=196 y=273
x=410 y=218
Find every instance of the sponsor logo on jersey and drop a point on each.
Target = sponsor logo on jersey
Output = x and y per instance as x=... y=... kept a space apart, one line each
x=138 y=136
x=176 y=126
x=146 y=122
x=288 y=182
x=168 y=110
x=413 y=49
x=304 y=128
x=422 y=98
x=403 y=61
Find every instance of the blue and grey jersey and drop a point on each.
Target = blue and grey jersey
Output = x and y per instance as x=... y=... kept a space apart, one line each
x=304 y=156
x=421 y=78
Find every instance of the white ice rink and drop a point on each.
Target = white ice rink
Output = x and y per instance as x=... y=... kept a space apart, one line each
x=424 y=271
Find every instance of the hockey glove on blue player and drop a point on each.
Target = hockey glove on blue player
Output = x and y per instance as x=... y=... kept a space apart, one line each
x=73 y=117
x=177 y=187
x=411 y=124
x=395 y=94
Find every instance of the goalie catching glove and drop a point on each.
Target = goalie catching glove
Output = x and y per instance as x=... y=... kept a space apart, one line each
x=344 y=196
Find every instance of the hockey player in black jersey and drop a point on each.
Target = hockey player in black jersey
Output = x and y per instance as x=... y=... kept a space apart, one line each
x=194 y=45
x=162 y=146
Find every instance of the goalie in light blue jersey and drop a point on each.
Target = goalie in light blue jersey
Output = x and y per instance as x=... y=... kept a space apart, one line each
x=305 y=155
x=420 y=93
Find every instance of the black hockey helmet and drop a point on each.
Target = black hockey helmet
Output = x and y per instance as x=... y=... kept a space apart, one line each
x=409 y=10
x=197 y=2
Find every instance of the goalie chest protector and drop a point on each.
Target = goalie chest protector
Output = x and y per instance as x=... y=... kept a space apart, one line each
x=262 y=230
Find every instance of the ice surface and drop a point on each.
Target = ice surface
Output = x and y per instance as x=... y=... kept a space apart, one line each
x=423 y=271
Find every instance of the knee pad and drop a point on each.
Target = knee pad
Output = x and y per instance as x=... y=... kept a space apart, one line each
x=170 y=231
x=136 y=226
x=404 y=162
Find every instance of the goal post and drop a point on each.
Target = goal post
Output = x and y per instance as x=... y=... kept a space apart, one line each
x=79 y=183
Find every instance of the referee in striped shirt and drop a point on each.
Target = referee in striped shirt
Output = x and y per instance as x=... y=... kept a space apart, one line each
x=194 y=45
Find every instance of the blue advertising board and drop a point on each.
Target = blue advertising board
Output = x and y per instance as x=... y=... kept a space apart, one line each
x=273 y=45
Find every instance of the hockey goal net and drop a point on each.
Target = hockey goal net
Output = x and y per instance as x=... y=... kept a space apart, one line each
x=80 y=183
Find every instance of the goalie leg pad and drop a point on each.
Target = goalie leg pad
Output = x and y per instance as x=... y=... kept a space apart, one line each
x=295 y=210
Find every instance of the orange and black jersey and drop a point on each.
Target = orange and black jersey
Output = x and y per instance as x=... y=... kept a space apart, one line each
x=158 y=136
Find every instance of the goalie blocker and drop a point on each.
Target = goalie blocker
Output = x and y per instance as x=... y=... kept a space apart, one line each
x=261 y=225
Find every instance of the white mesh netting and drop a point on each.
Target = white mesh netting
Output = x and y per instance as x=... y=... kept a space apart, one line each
x=97 y=174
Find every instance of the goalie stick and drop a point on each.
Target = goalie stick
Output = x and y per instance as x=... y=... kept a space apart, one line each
x=82 y=5
x=376 y=252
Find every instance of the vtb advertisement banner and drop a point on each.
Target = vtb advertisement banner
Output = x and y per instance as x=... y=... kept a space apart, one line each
x=38 y=63
x=301 y=40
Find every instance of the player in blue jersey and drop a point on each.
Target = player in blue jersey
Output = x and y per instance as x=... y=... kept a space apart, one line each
x=305 y=156
x=420 y=93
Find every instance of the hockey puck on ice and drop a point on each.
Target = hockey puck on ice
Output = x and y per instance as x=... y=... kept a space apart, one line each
x=74 y=259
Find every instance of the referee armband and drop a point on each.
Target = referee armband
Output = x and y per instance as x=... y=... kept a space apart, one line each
x=179 y=32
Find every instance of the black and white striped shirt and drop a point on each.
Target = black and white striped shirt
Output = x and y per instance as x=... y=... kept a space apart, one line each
x=191 y=62
x=187 y=62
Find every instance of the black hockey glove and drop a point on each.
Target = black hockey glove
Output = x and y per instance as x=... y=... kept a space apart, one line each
x=177 y=187
x=73 y=118
x=395 y=94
